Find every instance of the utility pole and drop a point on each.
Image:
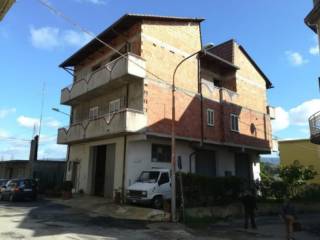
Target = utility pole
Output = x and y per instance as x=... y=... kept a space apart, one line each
x=33 y=154
x=173 y=140
x=173 y=133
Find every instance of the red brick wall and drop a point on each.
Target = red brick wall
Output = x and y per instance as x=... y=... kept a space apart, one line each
x=188 y=123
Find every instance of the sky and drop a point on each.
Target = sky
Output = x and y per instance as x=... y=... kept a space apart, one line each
x=33 y=42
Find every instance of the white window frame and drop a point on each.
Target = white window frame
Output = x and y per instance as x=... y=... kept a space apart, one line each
x=234 y=122
x=93 y=113
x=210 y=117
x=114 y=106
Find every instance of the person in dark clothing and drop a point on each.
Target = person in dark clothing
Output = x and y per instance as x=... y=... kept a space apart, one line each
x=288 y=214
x=250 y=206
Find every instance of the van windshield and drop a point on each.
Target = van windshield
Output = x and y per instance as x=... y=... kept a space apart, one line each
x=149 y=177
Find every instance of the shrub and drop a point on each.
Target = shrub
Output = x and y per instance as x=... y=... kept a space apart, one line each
x=201 y=191
x=310 y=192
x=67 y=186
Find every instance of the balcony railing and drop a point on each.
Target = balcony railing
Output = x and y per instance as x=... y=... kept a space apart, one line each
x=314 y=124
x=124 y=121
x=130 y=64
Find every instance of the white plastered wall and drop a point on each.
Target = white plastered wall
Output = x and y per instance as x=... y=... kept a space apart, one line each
x=225 y=162
x=139 y=158
x=81 y=153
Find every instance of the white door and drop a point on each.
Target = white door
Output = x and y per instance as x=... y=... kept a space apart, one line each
x=165 y=185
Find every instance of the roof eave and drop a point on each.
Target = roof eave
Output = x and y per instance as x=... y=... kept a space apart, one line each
x=223 y=61
x=268 y=82
x=68 y=61
x=312 y=17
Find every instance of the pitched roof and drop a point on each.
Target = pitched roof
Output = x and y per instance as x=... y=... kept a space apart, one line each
x=122 y=24
x=313 y=17
x=226 y=51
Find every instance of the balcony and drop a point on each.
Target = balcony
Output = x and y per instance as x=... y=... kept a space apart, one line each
x=124 y=121
x=113 y=74
x=314 y=124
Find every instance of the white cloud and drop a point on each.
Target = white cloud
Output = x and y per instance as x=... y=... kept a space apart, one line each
x=74 y=38
x=52 y=151
x=50 y=38
x=31 y=122
x=314 y=50
x=6 y=111
x=299 y=115
x=45 y=37
x=296 y=116
x=28 y=122
x=295 y=58
x=53 y=123
x=282 y=120
x=3 y=133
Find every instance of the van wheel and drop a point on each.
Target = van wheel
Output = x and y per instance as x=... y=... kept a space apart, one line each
x=157 y=202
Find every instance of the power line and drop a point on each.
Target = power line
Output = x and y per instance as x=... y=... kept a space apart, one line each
x=13 y=138
x=78 y=26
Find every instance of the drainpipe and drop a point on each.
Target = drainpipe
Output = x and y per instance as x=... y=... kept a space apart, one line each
x=124 y=168
x=222 y=114
x=125 y=150
x=201 y=101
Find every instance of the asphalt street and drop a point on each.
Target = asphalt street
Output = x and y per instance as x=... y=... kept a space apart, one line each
x=46 y=220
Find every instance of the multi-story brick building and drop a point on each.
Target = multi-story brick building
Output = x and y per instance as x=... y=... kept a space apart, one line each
x=313 y=21
x=121 y=105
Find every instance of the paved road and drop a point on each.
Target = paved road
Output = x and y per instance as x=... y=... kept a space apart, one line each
x=45 y=220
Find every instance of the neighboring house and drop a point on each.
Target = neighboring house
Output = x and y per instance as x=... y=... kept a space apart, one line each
x=121 y=106
x=49 y=172
x=303 y=151
x=313 y=21
x=5 y=5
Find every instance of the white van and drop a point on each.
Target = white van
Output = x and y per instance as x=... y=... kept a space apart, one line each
x=152 y=187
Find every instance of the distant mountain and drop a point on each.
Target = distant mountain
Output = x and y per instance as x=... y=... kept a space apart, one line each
x=270 y=159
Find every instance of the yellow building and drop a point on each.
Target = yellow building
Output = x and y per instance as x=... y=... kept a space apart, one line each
x=303 y=151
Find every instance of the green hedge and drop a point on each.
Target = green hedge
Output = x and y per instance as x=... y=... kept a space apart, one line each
x=201 y=191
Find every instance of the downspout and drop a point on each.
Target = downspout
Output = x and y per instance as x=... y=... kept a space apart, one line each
x=201 y=101
x=222 y=115
x=125 y=150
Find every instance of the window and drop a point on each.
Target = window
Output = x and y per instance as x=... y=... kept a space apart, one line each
x=164 y=178
x=217 y=82
x=149 y=177
x=234 y=122
x=114 y=106
x=210 y=117
x=93 y=113
x=161 y=153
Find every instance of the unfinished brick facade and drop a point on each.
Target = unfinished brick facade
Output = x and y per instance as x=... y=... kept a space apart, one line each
x=220 y=80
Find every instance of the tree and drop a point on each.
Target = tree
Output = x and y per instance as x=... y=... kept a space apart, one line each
x=295 y=176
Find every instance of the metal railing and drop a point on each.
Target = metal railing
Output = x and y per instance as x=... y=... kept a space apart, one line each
x=99 y=126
